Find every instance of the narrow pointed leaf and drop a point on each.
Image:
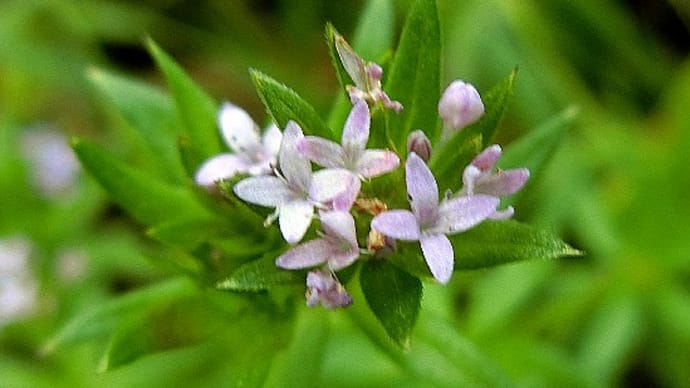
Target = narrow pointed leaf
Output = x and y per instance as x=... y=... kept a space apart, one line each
x=148 y=200
x=394 y=296
x=497 y=242
x=374 y=33
x=414 y=77
x=195 y=108
x=260 y=275
x=284 y=104
x=149 y=111
x=446 y=162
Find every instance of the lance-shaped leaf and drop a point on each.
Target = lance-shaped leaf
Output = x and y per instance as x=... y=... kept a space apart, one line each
x=394 y=296
x=284 y=104
x=260 y=275
x=414 y=77
x=448 y=160
x=497 y=242
x=150 y=112
x=105 y=317
x=148 y=200
x=195 y=108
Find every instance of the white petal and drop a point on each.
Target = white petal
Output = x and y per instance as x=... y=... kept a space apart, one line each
x=294 y=219
x=438 y=253
x=271 y=140
x=461 y=213
x=328 y=183
x=502 y=183
x=400 y=224
x=421 y=187
x=294 y=166
x=376 y=162
x=264 y=190
x=341 y=225
x=347 y=198
x=238 y=129
x=342 y=260
x=219 y=167
x=323 y=152
x=306 y=255
x=356 y=131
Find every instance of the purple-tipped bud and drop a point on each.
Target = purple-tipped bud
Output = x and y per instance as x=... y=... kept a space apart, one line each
x=324 y=288
x=418 y=143
x=460 y=105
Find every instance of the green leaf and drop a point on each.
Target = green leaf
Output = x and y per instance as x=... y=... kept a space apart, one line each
x=260 y=275
x=126 y=344
x=415 y=75
x=497 y=242
x=148 y=111
x=446 y=162
x=195 y=108
x=284 y=104
x=374 y=33
x=394 y=296
x=149 y=201
x=107 y=316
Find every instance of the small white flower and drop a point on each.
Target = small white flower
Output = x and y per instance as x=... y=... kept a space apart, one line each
x=251 y=154
x=54 y=167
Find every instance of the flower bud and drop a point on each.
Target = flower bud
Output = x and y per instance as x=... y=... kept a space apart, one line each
x=460 y=105
x=323 y=288
x=418 y=143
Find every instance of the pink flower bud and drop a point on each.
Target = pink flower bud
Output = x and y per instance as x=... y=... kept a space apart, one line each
x=418 y=143
x=460 y=105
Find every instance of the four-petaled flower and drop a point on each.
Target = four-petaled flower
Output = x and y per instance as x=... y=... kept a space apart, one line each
x=324 y=288
x=430 y=222
x=296 y=191
x=251 y=154
x=337 y=247
x=352 y=155
x=478 y=178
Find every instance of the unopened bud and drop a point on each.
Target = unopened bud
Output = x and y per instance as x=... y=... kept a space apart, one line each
x=460 y=105
x=418 y=143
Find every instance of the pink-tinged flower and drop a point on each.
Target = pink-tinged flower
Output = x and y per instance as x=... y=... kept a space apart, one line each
x=419 y=143
x=478 y=178
x=430 y=222
x=251 y=154
x=54 y=168
x=296 y=191
x=460 y=105
x=324 y=288
x=352 y=155
x=366 y=76
x=337 y=246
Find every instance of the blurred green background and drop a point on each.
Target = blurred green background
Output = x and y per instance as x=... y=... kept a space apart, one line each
x=616 y=71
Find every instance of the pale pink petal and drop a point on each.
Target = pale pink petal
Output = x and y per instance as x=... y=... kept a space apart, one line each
x=376 y=162
x=271 y=139
x=328 y=183
x=340 y=260
x=294 y=219
x=323 y=152
x=219 y=167
x=399 y=224
x=486 y=160
x=263 y=190
x=238 y=129
x=305 y=255
x=502 y=214
x=263 y=167
x=294 y=166
x=341 y=225
x=421 y=188
x=470 y=176
x=353 y=63
x=462 y=213
x=356 y=131
x=438 y=253
x=502 y=183
x=346 y=199
x=324 y=288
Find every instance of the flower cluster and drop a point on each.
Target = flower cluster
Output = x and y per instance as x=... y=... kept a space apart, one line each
x=282 y=177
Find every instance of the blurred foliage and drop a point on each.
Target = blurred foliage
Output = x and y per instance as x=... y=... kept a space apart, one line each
x=616 y=187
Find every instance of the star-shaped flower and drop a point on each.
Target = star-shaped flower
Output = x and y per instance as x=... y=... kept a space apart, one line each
x=337 y=247
x=296 y=191
x=430 y=222
x=478 y=178
x=251 y=154
x=352 y=155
